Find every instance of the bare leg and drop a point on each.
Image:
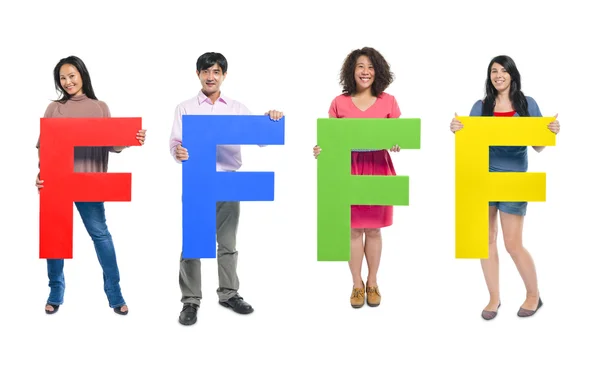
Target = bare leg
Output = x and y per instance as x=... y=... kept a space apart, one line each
x=512 y=228
x=356 y=257
x=491 y=266
x=373 y=247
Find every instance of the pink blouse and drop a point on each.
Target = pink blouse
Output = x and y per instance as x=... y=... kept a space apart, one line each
x=385 y=106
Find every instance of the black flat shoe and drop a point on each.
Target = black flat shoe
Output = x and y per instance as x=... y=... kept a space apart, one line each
x=528 y=313
x=238 y=305
x=189 y=314
x=118 y=310
x=55 y=307
x=488 y=315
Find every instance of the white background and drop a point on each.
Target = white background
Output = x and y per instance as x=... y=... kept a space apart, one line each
x=287 y=55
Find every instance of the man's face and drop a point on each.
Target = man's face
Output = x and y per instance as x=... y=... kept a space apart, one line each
x=211 y=79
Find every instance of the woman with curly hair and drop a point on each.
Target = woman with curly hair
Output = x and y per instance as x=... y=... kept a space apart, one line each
x=364 y=77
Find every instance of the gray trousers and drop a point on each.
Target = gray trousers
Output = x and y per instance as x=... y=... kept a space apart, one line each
x=228 y=215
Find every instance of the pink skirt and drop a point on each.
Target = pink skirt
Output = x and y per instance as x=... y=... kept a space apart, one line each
x=372 y=163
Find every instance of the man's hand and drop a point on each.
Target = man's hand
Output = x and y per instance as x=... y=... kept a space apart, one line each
x=181 y=153
x=274 y=115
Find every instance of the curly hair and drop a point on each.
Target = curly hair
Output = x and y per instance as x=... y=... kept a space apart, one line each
x=383 y=76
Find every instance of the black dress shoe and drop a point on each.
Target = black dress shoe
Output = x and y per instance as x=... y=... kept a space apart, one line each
x=188 y=315
x=238 y=305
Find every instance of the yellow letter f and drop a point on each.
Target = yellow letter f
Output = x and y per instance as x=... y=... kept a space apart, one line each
x=476 y=186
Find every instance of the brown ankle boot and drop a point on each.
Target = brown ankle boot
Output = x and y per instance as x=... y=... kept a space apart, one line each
x=357 y=299
x=373 y=296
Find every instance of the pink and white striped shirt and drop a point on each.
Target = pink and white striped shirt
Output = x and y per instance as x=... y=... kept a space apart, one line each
x=229 y=157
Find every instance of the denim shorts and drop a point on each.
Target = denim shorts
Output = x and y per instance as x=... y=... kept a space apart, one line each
x=515 y=208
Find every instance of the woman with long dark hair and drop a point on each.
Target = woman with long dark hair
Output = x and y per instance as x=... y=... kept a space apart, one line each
x=364 y=77
x=504 y=98
x=77 y=99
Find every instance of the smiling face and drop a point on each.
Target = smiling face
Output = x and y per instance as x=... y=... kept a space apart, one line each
x=364 y=73
x=211 y=79
x=500 y=78
x=70 y=80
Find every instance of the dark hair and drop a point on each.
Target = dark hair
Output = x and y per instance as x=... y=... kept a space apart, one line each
x=86 y=86
x=383 y=76
x=209 y=59
x=518 y=99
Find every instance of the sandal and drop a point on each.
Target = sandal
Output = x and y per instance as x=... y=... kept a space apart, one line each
x=55 y=307
x=119 y=311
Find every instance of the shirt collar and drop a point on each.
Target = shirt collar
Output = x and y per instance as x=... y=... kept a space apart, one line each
x=204 y=99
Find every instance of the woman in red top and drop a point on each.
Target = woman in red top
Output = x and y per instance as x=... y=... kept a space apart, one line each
x=504 y=98
x=364 y=76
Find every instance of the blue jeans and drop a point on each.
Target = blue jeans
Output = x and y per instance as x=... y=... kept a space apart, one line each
x=515 y=208
x=94 y=220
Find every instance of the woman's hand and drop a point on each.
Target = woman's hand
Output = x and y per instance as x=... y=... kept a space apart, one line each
x=316 y=151
x=39 y=183
x=554 y=126
x=455 y=125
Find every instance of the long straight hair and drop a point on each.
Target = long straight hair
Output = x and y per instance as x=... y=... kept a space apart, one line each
x=517 y=98
x=87 y=88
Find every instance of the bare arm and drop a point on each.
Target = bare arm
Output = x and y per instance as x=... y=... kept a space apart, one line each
x=316 y=148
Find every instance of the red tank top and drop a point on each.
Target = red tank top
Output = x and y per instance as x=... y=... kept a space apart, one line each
x=504 y=114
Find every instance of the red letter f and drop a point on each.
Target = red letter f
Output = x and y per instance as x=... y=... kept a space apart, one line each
x=62 y=186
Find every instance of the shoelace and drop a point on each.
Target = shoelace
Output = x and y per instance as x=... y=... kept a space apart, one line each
x=373 y=289
x=186 y=307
